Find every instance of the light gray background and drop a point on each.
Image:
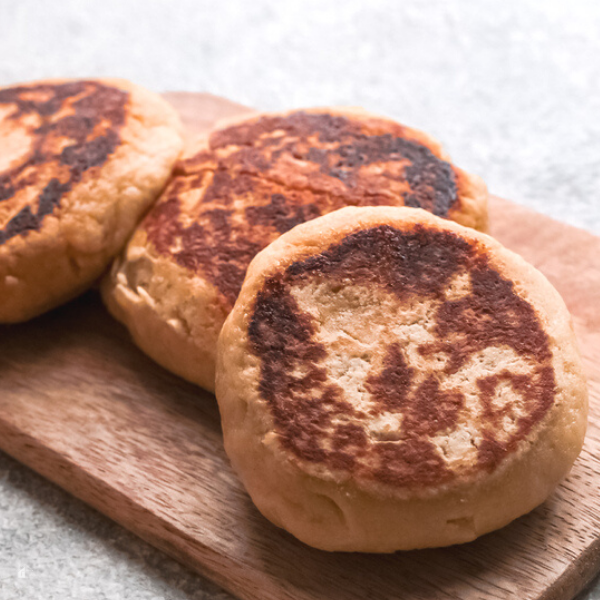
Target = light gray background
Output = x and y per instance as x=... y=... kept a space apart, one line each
x=511 y=87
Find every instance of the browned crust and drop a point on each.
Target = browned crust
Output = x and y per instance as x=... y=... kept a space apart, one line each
x=318 y=425
x=81 y=162
x=73 y=127
x=255 y=180
x=334 y=508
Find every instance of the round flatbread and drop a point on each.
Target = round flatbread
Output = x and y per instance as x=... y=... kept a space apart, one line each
x=245 y=185
x=388 y=380
x=80 y=162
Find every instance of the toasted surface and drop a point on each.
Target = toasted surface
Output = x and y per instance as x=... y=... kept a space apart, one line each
x=389 y=380
x=251 y=181
x=80 y=162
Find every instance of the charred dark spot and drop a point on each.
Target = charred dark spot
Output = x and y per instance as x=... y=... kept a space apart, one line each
x=93 y=154
x=349 y=435
x=164 y=225
x=312 y=417
x=50 y=197
x=280 y=214
x=419 y=262
x=22 y=222
x=426 y=411
x=431 y=180
x=282 y=336
x=301 y=125
x=492 y=314
x=197 y=243
x=221 y=188
x=7 y=189
x=433 y=410
x=98 y=115
x=413 y=463
x=392 y=387
x=537 y=393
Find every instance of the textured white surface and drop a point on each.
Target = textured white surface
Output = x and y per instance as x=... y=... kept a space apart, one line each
x=512 y=88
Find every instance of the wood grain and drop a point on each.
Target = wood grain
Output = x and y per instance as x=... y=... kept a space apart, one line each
x=83 y=407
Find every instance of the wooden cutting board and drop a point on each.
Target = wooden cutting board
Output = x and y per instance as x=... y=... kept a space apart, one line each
x=83 y=407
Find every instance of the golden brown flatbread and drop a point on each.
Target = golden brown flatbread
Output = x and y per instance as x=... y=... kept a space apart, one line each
x=388 y=380
x=80 y=162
